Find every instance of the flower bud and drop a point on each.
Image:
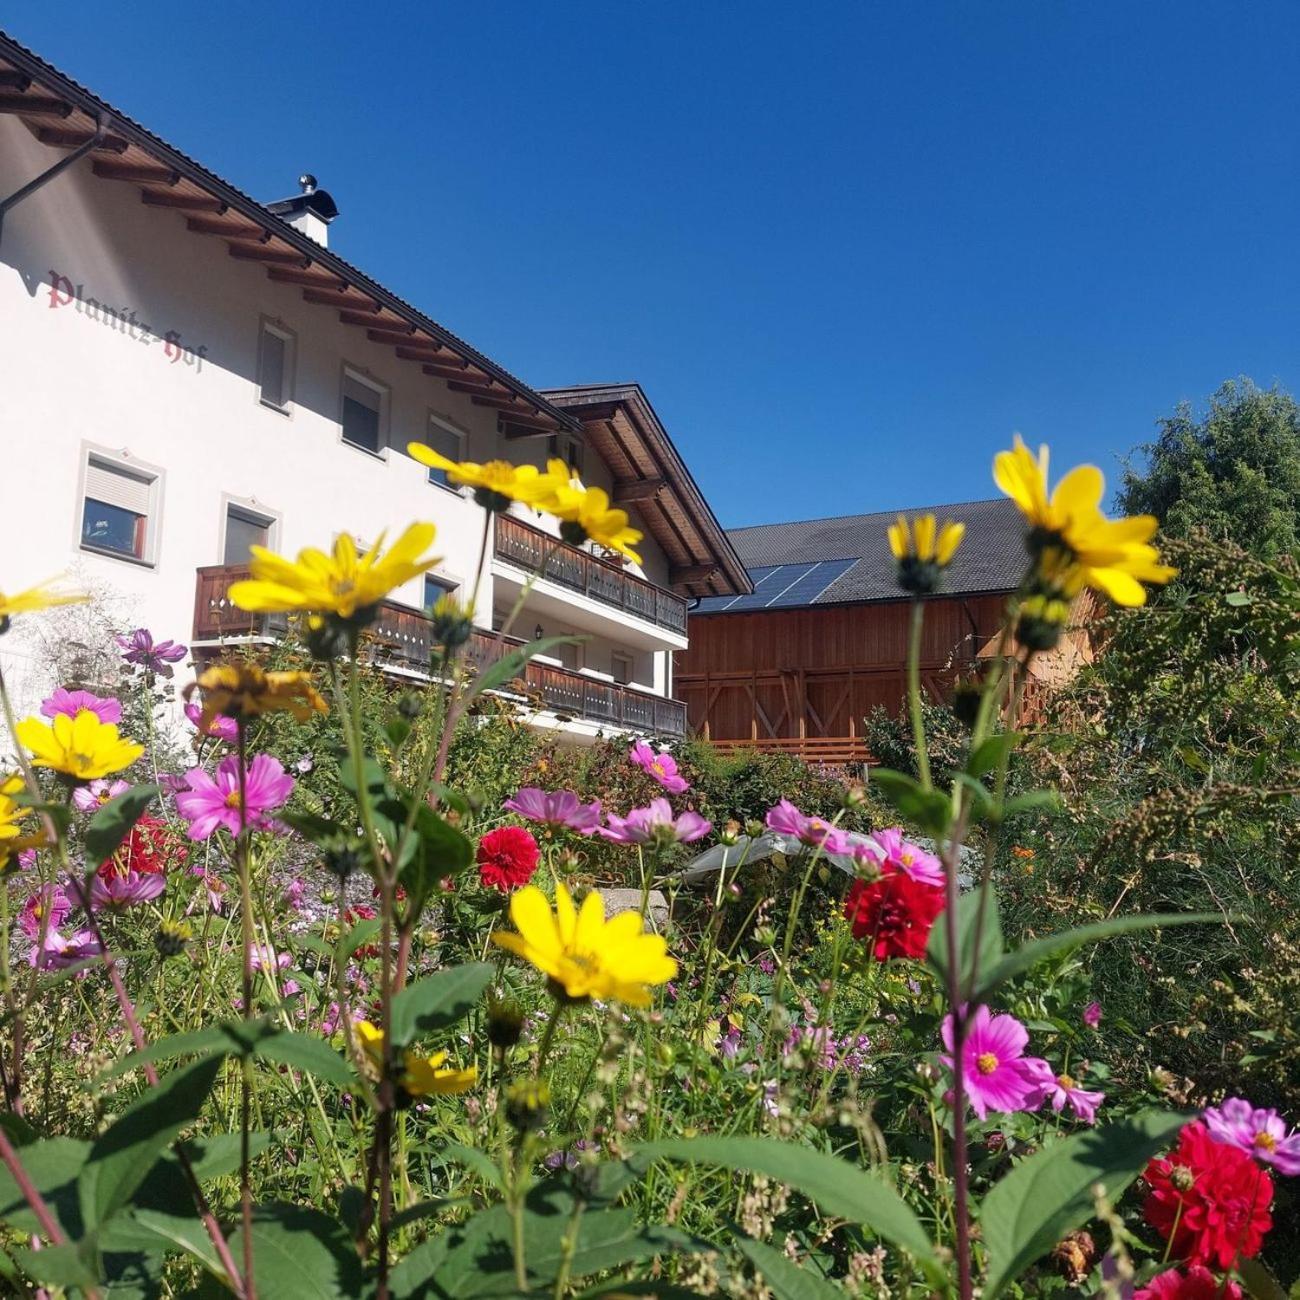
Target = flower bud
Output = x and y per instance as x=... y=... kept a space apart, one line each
x=505 y=1023
x=171 y=939
x=528 y=1104
x=410 y=705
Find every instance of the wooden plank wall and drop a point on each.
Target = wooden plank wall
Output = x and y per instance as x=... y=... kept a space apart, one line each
x=820 y=670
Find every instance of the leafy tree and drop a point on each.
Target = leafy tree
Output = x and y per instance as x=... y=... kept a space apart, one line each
x=1233 y=471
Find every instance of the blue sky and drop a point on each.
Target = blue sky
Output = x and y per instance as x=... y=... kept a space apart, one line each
x=847 y=251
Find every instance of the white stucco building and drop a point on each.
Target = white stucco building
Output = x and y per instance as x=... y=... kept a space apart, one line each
x=184 y=370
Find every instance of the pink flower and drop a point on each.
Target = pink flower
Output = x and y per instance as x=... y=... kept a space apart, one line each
x=72 y=702
x=48 y=900
x=1092 y=1015
x=892 y=850
x=1259 y=1133
x=657 y=825
x=996 y=1075
x=60 y=952
x=125 y=890
x=264 y=957
x=293 y=894
x=1062 y=1088
x=220 y=728
x=92 y=797
x=556 y=808
x=662 y=766
x=786 y=819
x=1198 y=1284
x=211 y=802
x=141 y=649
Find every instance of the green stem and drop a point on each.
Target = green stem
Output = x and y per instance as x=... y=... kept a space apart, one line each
x=914 y=693
x=246 y=1064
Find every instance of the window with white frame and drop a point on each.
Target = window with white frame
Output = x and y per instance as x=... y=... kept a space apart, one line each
x=621 y=664
x=435 y=588
x=245 y=528
x=119 y=509
x=363 y=413
x=447 y=441
x=275 y=366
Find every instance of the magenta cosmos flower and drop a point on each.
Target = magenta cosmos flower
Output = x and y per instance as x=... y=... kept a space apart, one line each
x=1092 y=1015
x=125 y=890
x=662 y=766
x=996 y=1073
x=1257 y=1132
x=212 y=801
x=556 y=808
x=141 y=649
x=48 y=901
x=90 y=798
x=811 y=831
x=656 y=825
x=220 y=728
x=61 y=951
x=64 y=701
x=1061 y=1089
x=893 y=851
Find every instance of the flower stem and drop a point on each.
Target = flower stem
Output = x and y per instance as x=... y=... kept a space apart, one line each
x=246 y=1063
x=914 y=693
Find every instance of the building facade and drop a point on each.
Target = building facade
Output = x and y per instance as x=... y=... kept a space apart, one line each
x=187 y=371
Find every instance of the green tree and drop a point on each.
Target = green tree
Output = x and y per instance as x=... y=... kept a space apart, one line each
x=1233 y=471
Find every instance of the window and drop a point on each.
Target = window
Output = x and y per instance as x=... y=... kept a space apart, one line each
x=275 y=367
x=570 y=657
x=244 y=528
x=363 y=408
x=435 y=589
x=117 y=507
x=621 y=667
x=446 y=441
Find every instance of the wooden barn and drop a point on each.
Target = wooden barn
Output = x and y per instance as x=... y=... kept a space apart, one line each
x=822 y=640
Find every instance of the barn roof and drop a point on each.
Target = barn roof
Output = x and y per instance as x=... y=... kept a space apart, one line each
x=846 y=560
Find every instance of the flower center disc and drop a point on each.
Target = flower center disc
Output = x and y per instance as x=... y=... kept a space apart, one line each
x=986 y=1063
x=1265 y=1141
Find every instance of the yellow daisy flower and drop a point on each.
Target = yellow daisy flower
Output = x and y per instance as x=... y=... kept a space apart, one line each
x=240 y=690
x=344 y=583
x=422 y=1076
x=41 y=596
x=82 y=747
x=923 y=550
x=586 y=515
x=586 y=955
x=496 y=483
x=14 y=837
x=1073 y=537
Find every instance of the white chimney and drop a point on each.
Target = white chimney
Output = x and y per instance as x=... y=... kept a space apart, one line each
x=310 y=211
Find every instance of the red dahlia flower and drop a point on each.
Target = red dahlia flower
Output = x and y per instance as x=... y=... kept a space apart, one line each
x=1213 y=1199
x=151 y=847
x=1198 y=1283
x=894 y=912
x=507 y=858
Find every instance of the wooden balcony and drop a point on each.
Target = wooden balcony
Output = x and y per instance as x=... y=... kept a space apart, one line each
x=400 y=638
x=528 y=548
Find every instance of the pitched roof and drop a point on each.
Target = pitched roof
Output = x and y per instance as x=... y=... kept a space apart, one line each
x=846 y=560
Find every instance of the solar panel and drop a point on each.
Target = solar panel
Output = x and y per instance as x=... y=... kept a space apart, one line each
x=779 y=586
x=770 y=590
x=807 y=588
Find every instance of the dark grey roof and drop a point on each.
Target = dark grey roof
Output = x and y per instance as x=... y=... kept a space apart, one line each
x=846 y=560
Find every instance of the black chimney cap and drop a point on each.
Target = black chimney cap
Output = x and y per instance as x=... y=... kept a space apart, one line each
x=319 y=202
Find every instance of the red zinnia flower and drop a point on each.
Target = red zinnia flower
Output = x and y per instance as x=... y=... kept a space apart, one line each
x=894 y=912
x=507 y=858
x=1212 y=1197
x=150 y=848
x=1198 y=1283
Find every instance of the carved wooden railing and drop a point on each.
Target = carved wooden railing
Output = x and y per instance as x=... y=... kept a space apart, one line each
x=401 y=637
x=529 y=548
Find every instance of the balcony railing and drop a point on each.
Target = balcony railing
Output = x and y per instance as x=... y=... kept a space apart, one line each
x=529 y=548
x=401 y=637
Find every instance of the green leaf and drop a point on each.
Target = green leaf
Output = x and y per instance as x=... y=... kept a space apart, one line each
x=307 y=1053
x=838 y=1187
x=928 y=809
x=472 y=1158
x=197 y=1042
x=218 y=1154
x=1033 y=801
x=512 y=665
x=441 y=850
x=121 y=1157
x=169 y=1233
x=438 y=1000
x=1260 y=1284
x=53 y=1165
x=786 y=1279
x=1050 y=1193
x=112 y=823
x=1024 y=958
x=63 y=1266
x=989 y=938
x=357 y=937
x=1238 y=598
x=992 y=753
x=303 y=1253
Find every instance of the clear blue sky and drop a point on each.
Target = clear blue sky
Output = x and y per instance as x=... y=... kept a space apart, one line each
x=847 y=248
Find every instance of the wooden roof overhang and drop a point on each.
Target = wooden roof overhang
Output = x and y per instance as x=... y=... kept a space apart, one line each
x=64 y=115
x=621 y=426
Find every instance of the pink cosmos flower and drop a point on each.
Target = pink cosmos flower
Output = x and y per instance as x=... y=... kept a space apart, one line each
x=72 y=702
x=125 y=890
x=60 y=951
x=556 y=808
x=1092 y=1015
x=1062 y=1088
x=657 y=825
x=1257 y=1132
x=786 y=819
x=996 y=1075
x=220 y=728
x=48 y=900
x=141 y=649
x=662 y=766
x=902 y=855
x=293 y=894
x=210 y=801
x=92 y=797
x=215 y=887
